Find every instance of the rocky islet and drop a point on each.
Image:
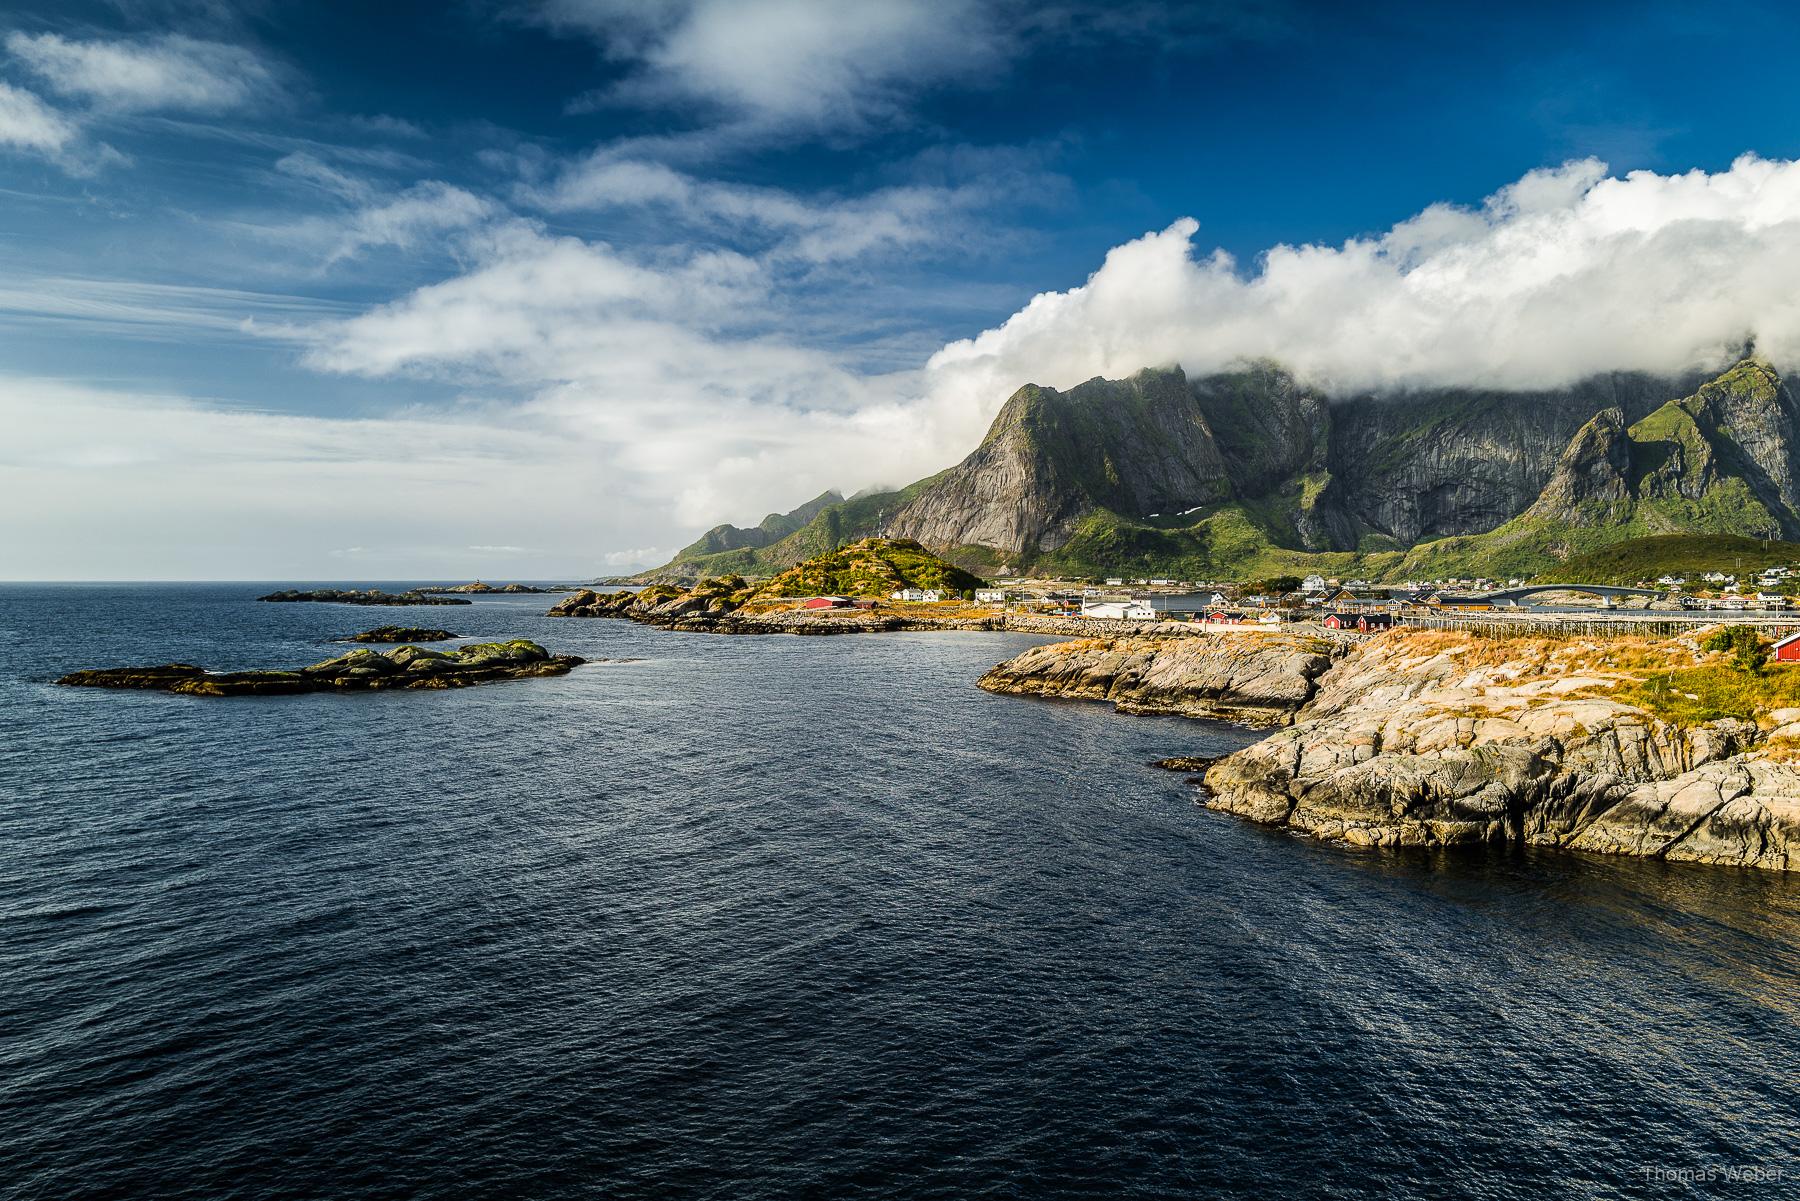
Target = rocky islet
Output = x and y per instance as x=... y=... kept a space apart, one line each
x=360 y=670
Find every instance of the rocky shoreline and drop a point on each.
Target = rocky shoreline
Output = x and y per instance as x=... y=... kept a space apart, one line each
x=1435 y=739
x=406 y=667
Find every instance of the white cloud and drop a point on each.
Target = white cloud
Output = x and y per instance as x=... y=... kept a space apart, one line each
x=1560 y=275
x=29 y=125
x=423 y=210
x=805 y=63
x=168 y=73
x=145 y=486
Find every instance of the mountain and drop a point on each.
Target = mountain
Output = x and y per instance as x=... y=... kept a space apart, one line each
x=1252 y=472
x=773 y=528
x=1723 y=461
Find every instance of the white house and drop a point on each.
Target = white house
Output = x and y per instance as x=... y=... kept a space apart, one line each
x=926 y=595
x=991 y=596
x=1120 y=610
x=1114 y=581
x=1313 y=583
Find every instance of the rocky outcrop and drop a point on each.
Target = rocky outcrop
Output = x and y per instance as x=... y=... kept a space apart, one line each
x=367 y=596
x=1247 y=676
x=401 y=634
x=406 y=667
x=1431 y=740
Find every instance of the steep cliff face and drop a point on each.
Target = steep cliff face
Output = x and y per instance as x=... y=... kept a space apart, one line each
x=1308 y=474
x=1428 y=465
x=1140 y=445
x=1723 y=460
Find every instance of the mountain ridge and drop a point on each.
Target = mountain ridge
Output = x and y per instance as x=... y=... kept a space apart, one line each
x=1251 y=471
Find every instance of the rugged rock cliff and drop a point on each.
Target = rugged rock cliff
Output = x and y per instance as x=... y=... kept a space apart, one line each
x=1429 y=739
x=1140 y=445
x=1245 y=676
x=1420 y=738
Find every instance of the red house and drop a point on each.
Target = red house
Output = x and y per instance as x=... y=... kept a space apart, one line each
x=1788 y=649
x=825 y=602
x=1335 y=621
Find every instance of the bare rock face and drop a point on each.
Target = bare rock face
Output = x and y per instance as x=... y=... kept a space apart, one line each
x=1411 y=741
x=1739 y=812
x=1138 y=445
x=1246 y=676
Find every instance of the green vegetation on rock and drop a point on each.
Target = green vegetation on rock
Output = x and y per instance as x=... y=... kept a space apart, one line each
x=869 y=567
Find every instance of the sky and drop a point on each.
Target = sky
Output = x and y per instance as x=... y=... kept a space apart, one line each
x=543 y=289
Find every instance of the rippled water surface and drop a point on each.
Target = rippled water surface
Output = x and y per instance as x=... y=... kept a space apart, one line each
x=798 y=917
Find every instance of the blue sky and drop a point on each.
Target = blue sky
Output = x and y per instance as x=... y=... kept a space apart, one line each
x=533 y=289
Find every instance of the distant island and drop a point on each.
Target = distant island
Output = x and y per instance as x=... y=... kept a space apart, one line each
x=406 y=667
x=352 y=596
x=478 y=588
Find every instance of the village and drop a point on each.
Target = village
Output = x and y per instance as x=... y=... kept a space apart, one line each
x=1669 y=601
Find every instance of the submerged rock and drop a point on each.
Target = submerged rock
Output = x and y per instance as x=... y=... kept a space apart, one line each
x=357 y=670
x=401 y=634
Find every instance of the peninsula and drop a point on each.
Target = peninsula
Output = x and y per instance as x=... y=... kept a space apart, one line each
x=1681 y=749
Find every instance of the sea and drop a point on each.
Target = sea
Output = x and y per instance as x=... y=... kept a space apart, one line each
x=801 y=917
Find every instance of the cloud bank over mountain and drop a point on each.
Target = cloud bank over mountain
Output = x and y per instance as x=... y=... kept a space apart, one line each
x=1561 y=275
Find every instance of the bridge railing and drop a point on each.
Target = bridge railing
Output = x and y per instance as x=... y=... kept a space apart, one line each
x=1622 y=625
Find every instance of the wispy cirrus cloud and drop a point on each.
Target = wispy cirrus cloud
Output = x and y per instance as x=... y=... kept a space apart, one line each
x=169 y=73
x=791 y=227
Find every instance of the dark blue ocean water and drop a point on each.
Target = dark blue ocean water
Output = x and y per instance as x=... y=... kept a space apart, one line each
x=799 y=917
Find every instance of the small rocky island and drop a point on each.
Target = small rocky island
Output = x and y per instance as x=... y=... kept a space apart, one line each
x=401 y=634
x=360 y=670
x=850 y=590
x=478 y=588
x=364 y=596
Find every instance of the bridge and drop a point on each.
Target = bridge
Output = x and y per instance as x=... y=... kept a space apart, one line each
x=1512 y=596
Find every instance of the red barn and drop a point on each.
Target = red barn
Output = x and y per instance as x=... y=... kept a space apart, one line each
x=825 y=602
x=1788 y=649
